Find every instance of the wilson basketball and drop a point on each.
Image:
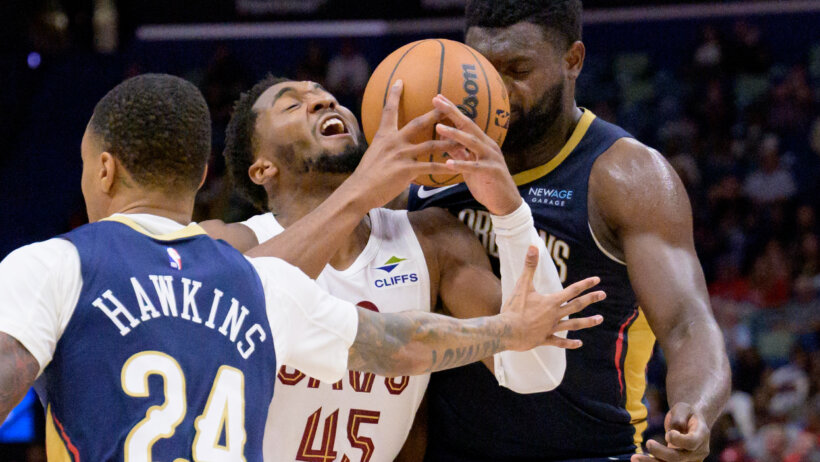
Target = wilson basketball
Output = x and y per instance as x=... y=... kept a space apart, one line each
x=438 y=66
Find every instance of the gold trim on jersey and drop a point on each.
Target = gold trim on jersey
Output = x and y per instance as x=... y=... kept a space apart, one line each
x=528 y=176
x=56 y=450
x=188 y=231
x=639 y=349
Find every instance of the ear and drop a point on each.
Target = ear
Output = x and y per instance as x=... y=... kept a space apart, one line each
x=108 y=172
x=574 y=59
x=262 y=171
x=204 y=177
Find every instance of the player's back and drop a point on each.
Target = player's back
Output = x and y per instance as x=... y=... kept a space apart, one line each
x=167 y=355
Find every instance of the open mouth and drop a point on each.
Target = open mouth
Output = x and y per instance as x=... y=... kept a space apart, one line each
x=333 y=125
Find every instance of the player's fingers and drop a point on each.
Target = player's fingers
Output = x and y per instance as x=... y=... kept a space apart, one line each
x=565 y=343
x=461 y=153
x=678 y=417
x=390 y=113
x=524 y=284
x=579 y=323
x=642 y=458
x=454 y=114
x=429 y=168
x=420 y=124
x=465 y=166
x=579 y=303
x=665 y=453
x=429 y=146
x=479 y=145
x=684 y=441
x=578 y=288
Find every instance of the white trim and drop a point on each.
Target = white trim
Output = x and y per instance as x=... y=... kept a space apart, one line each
x=602 y=249
x=377 y=28
x=279 y=30
x=699 y=11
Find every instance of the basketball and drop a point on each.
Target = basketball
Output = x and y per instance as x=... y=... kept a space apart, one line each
x=431 y=67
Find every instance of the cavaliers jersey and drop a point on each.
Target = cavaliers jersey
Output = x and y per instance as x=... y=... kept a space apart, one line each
x=598 y=409
x=130 y=379
x=364 y=417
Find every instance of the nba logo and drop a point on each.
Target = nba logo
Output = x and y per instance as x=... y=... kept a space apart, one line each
x=174 y=259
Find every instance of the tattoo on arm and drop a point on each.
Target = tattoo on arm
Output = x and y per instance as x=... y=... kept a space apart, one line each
x=18 y=369
x=414 y=342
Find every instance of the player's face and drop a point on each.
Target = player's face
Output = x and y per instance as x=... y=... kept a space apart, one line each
x=90 y=150
x=534 y=72
x=305 y=126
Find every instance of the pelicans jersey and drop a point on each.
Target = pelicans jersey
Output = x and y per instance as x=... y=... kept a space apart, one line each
x=598 y=409
x=363 y=417
x=129 y=371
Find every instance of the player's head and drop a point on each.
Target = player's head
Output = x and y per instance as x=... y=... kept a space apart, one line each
x=151 y=133
x=536 y=46
x=282 y=130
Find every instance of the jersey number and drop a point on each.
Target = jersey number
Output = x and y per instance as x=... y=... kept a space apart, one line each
x=225 y=410
x=310 y=451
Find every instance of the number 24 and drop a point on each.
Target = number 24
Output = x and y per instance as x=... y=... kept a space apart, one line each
x=225 y=407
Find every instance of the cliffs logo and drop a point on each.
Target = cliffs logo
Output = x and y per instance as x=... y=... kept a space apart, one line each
x=394 y=279
x=550 y=196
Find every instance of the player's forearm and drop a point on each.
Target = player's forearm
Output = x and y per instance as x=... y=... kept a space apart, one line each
x=310 y=242
x=698 y=369
x=18 y=369
x=542 y=368
x=415 y=342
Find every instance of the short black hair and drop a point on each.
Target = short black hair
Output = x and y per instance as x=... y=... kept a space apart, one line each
x=561 y=16
x=158 y=126
x=240 y=143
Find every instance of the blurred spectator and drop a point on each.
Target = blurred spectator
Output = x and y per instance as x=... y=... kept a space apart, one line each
x=770 y=182
x=347 y=74
x=314 y=65
x=747 y=53
x=709 y=53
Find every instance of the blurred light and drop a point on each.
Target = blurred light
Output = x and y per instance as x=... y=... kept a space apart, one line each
x=34 y=60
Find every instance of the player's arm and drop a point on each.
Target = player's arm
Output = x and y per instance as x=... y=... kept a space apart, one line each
x=462 y=277
x=18 y=369
x=645 y=211
x=415 y=342
x=40 y=283
x=387 y=168
x=238 y=235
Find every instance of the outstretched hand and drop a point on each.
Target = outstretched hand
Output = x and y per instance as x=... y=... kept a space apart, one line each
x=536 y=318
x=390 y=163
x=687 y=438
x=479 y=160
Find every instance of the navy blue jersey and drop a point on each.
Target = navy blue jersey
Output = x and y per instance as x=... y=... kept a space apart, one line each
x=598 y=409
x=168 y=354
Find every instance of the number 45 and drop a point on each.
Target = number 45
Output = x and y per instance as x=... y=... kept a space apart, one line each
x=225 y=409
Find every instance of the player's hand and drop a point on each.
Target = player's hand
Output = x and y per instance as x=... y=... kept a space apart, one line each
x=687 y=438
x=479 y=160
x=390 y=163
x=535 y=319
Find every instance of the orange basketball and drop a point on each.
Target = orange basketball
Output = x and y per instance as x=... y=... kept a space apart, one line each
x=438 y=66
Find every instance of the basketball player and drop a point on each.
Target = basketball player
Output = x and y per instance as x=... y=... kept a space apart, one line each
x=605 y=204
x=151 y=339
x=289 y=145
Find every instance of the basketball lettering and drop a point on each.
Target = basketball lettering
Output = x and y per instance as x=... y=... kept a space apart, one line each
x=469 y=105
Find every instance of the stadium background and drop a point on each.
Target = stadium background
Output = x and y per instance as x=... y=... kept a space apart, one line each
x=728 y=91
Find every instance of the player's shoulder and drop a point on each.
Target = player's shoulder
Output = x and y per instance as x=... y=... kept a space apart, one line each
x=629 y=166
x=50 y=252
x=432 y=221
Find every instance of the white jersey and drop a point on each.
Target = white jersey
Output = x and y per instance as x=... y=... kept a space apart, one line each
x=363 y=417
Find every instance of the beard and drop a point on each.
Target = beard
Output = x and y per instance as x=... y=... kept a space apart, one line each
x=346 y=162
x=530 y=127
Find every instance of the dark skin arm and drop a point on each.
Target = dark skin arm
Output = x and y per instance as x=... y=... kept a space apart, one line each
x=18 y=369
x=640 y=212
x=415 y=342
x=236 y=234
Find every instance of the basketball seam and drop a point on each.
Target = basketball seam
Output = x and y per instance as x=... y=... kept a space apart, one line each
x=393 y=72
x=438 y=91
x=487 y=82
